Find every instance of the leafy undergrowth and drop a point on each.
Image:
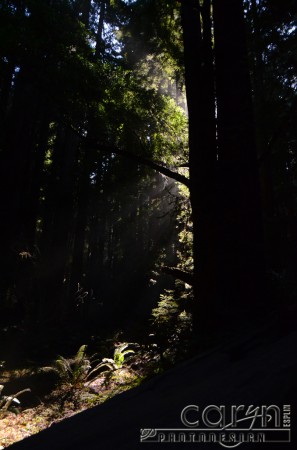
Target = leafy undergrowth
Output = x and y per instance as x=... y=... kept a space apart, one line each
x=65 y=397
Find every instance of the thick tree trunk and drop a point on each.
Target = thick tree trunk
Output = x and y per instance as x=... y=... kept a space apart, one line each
x=224 y=186
x=16 y=162
x=241 y=259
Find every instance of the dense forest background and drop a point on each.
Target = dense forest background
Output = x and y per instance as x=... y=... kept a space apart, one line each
x=148 y=168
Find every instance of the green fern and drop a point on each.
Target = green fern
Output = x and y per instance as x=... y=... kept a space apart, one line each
x=120 y=355
x=112 y=364
x=81 y=369
x=73 y=371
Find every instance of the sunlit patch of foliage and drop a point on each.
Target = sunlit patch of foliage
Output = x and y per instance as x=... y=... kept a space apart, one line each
x=143 y=119
x=171 y=324
x=84 y=381
x=82 y=369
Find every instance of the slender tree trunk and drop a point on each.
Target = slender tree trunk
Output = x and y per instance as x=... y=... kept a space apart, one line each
x=261 y=106
x=202 y=158
x=32 y=200
x=57 y=232
x=6 y=78
x=99 y=36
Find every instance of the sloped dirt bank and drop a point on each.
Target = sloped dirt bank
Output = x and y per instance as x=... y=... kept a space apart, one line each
x=258 y=369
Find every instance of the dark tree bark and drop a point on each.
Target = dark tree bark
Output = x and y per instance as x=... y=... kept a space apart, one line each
x=55 y=247
x=16 y=168
x=6 y=78
x=202 y=156
x=241 y=258
x=99 y=36
x=82 y=204
x=224 y=185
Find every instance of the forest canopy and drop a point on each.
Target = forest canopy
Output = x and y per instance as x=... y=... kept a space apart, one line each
x=148 y=164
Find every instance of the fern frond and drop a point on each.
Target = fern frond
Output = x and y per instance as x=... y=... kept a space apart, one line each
x=80 y=355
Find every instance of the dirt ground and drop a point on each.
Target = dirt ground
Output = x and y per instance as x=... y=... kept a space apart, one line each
x=257 y=369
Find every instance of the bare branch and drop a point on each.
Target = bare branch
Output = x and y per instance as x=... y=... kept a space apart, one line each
x=11 y=398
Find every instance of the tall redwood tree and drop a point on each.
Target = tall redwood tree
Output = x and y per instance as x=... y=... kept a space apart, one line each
x=224 y=187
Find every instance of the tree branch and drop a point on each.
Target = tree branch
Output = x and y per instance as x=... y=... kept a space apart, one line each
x=148 y=163
x=8 y=400
x=182 y=275
x=133 y=157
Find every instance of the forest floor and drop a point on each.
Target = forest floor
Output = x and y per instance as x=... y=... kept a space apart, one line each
x=49 y=401
x=59 y=404
x=259 y=368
